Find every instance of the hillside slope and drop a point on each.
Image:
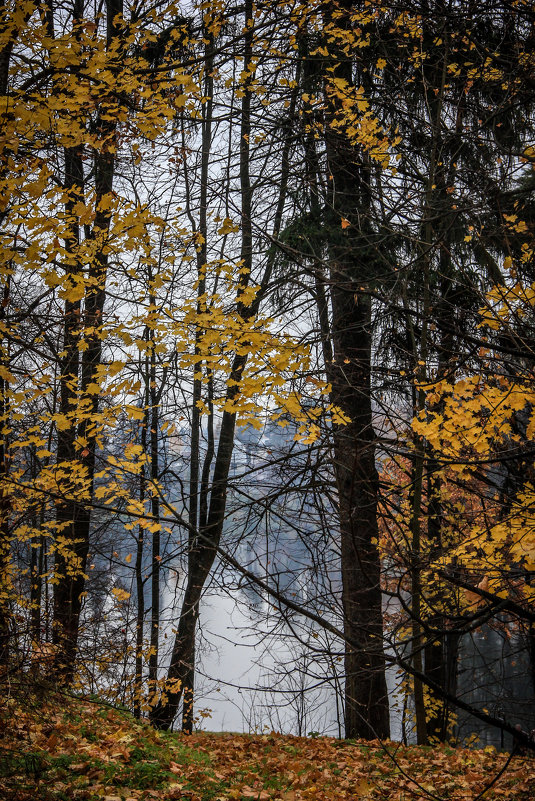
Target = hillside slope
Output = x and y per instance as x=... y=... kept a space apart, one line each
x=60 y=748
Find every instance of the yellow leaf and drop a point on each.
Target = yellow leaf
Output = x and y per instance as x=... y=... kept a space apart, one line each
x=121 y=595
x=5 y=374
x=73 y=293
x=115 y=367
x=228 y=227
x=62 y=422
x=134 y=412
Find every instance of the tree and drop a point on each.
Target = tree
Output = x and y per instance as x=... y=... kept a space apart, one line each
x=81 y=100
x=263 y=217
x=349 y=165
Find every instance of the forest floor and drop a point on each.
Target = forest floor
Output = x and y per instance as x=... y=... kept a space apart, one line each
x=59 y=748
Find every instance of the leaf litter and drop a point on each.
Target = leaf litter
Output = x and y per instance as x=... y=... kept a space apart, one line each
x=61 y=748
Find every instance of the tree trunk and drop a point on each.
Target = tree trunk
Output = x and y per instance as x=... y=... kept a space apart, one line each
x=75 y=514
x=202 y=557
x=5 y=504
x=352 y=258
x=69 y=561
x=70 y=558
x=366 y=700
x=198 y=490
x=155 y=510
x=140 y=582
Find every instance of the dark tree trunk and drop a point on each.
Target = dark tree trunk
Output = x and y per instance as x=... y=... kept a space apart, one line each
x=154 y=397
x=198 y=500
x=353 y=263
x=5 y=505
x=69 y=561
x=75 y=514
x=366 y=700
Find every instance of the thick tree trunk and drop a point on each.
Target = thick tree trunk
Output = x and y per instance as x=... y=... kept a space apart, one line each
x=70 y=558
x=366 y=712
x=366 y=700
x=75 y=514
x=353 y=259
x=69 y=561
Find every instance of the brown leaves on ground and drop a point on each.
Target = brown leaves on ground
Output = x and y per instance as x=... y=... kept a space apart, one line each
x=66 y=748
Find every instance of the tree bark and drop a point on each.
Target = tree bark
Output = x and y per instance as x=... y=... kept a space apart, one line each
x=5 y=504
x=202 y=557
x=352 y=258
x=154 y=397
x=69 y=560
x=74 y=513
x=366 y=699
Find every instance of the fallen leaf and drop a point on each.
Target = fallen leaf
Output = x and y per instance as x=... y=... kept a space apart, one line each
x=52 y=740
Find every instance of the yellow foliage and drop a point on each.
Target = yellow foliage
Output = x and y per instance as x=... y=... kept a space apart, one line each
x=470 y=427
x=120 y=594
